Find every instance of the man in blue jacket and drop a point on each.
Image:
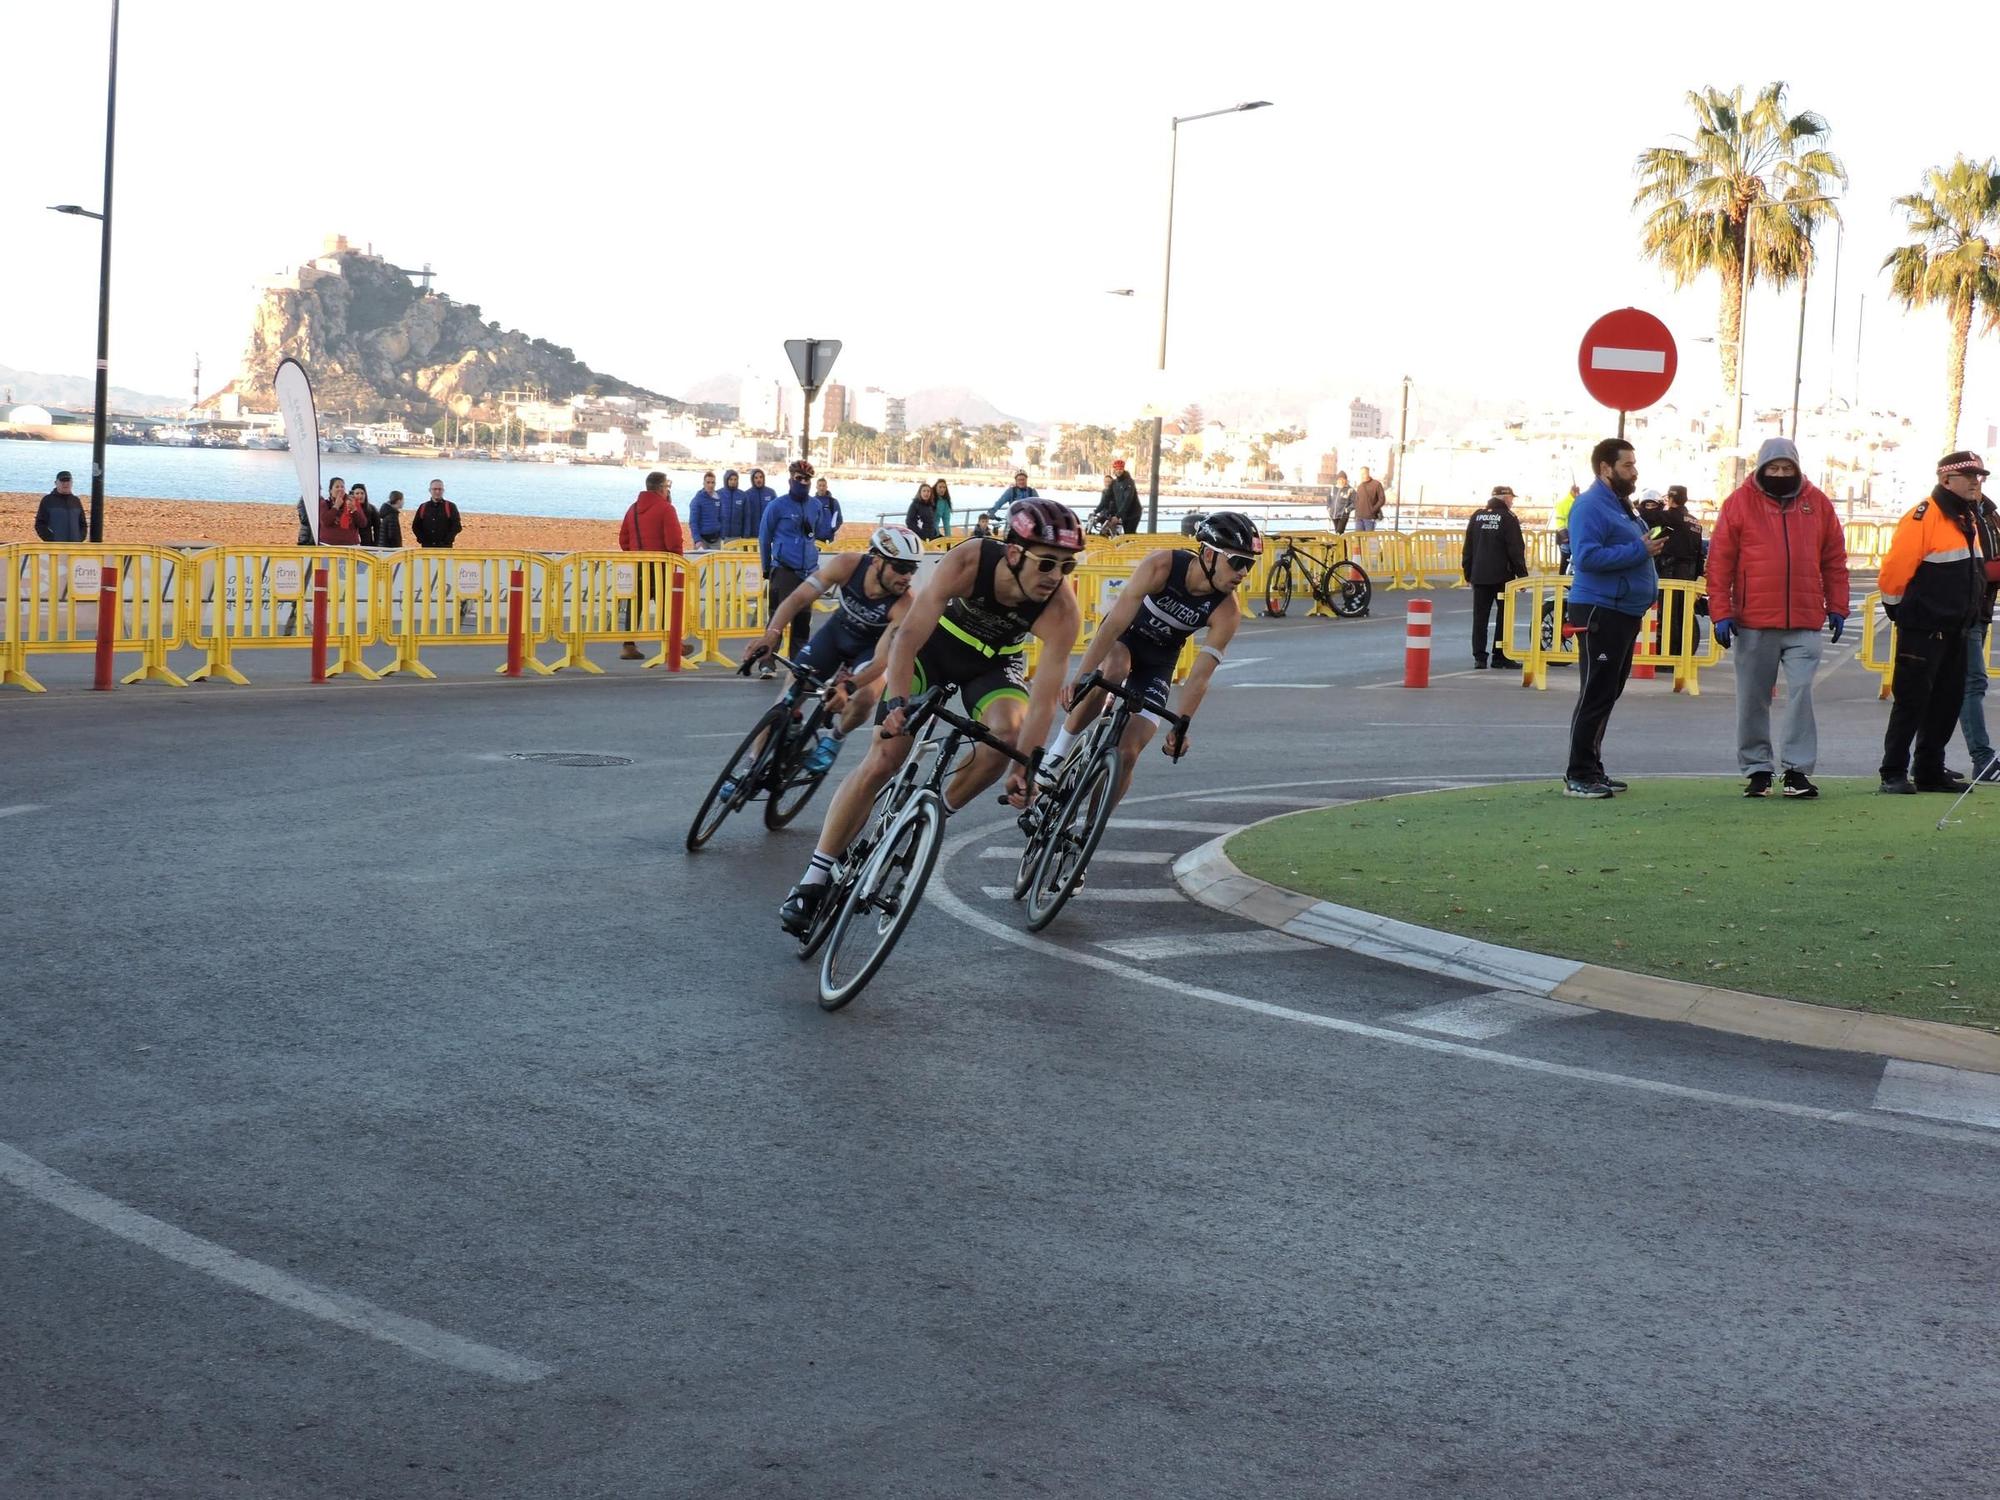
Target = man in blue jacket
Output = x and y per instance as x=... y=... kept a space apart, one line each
x=1020 y=489
x=755 y=499
x=734 y=524
x=786 y=551
x=705 y=514
x=1614 y=585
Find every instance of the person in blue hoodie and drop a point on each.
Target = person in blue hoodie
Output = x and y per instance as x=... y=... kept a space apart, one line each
x=787 y=552
x=755 y=499
x=1614 y=585
x=827 y=524
x=734 y=525
x=705 y=514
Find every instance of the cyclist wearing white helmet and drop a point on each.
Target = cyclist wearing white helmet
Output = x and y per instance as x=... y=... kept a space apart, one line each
x=872 y=593
x=1170 y=596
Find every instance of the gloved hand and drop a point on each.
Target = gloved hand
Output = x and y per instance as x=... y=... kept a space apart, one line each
x=1725 y=630
x=1836 y=624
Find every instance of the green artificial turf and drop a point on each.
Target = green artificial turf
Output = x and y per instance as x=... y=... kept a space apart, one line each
x=1849 y=899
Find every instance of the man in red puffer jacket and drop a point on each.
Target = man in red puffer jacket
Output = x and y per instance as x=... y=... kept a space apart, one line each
x=1777 y=575
x=650 y=525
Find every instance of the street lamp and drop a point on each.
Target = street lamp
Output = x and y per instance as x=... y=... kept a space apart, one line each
x=103 y=292
x=1166 y=284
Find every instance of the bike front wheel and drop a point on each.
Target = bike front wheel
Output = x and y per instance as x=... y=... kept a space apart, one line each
x=1073 y=837
x=1348 y=590
x=792 y=786
x=1278 y=592
x=882 y=901
x=738 y=781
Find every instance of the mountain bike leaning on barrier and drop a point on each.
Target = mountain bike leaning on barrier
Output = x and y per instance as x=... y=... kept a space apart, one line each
x=878 y=882
x=1066 y=821
x=771 y=761
x=1340 y=586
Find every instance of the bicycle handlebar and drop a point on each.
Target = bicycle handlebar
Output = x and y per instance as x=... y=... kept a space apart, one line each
x=811 y=678
x=929 y=705
x=1133 y=698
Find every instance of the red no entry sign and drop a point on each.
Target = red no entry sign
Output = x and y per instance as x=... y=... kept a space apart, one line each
x=1627 y=359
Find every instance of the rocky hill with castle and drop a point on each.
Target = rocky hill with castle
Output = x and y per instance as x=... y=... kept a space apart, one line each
x=380 y=343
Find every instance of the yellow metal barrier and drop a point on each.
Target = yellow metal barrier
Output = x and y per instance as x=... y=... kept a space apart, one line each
x=246 y=598
x=52 y=593
x=731 y=600
x=439 y=597
x=1433 y=557
x=628 y=596
x=1534 y=611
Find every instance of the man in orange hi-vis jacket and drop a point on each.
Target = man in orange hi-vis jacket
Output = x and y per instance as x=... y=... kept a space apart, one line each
x=1933 y=586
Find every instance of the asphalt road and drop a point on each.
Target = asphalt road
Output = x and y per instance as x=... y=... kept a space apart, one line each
x=384 y=1116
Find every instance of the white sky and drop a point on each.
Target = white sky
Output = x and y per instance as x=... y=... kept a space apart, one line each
x=1440 y=190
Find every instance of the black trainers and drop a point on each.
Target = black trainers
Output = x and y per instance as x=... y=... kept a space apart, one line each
x=801 y=906
x=1503 y=662
x=1479 y=664
x=1594 y=787
x=1988 y=772
x=1947 y=781
x=1615 y=784
x=1897 y=786
x=1797 y=784
x=1759 y=784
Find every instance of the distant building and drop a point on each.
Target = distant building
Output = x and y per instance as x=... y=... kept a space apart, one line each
x=759 y=404
x=876 y=408
x=1363 y=420
x=833 y=406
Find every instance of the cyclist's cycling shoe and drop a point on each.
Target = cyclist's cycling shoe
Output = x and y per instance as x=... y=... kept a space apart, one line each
x=822 y=756
x=801 y=906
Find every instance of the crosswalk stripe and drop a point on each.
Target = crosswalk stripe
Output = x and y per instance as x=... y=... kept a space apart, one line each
x=1173 y=825
x=1143 y=894
x=1188 y=945
x=1480 y=1017
x=1101 y=857
x=1914 y=1088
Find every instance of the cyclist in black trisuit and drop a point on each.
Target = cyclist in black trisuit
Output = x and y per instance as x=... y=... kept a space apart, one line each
x=1170 y=596
x=872 y=592
x=967 y=628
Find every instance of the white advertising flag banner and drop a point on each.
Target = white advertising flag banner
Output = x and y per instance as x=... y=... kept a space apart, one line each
x=295 y=405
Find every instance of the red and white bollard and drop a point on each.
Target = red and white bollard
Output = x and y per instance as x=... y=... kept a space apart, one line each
x=319 y=624
x=1417 y=645
x=676 y=615
x=517 y=617
x=1647 y=648
x=107 y=626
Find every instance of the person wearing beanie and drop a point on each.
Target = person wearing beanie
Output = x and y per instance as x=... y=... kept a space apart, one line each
x=1119 y=503
x=1777 y=575
x=1933 y=585
x=1494 y=555
x=60 y=517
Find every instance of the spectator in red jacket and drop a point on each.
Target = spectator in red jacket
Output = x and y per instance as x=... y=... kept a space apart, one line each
x=340 y=518
x=1777 y=576
x=651 y=525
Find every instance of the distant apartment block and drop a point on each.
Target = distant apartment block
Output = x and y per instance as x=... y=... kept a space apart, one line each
x=760 y=404
x=1363 y=420
x=876 y=408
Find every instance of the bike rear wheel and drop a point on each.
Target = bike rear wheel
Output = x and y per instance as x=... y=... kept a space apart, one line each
x=882 y=901
x=1278 y=592
x=1348 y=590
x=746 y=767
x=791 y=787
x=1073 y=838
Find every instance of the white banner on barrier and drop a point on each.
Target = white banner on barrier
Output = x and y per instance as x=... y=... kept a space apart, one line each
x=469 y=579
x=1107 y=595
x=287 y=577
x=86 y=576
x=624 y=580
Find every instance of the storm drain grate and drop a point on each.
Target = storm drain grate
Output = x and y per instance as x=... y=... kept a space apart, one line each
x=569 y=758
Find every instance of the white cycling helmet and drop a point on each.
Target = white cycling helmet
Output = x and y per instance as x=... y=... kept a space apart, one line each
x=897 y=543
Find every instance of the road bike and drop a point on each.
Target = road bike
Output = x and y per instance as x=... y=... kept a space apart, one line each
x=1067 y=819
x=770 y=763
x=878 y=883
x=1339 y=586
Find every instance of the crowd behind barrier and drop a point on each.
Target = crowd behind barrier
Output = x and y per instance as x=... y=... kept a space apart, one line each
x=223 y=601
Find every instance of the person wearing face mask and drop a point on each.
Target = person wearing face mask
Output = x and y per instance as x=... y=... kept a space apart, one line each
x=1777 y=575
x=1933 y=585
x=1614 y=586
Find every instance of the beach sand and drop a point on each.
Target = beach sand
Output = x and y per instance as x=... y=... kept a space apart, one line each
x=231 y=523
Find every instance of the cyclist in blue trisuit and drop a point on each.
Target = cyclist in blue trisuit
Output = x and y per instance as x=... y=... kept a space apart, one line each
x=967 y=628
x=1170 y=596
x=871 y=591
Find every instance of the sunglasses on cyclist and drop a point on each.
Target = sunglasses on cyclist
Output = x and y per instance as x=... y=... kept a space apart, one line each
x=1239 y=561
x=1046 y=564
x=895 y=565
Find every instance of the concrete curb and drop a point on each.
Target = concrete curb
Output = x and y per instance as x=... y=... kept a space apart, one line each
x=1208 y=876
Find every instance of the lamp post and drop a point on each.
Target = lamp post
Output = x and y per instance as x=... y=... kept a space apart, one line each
x=1402 y=450
x=1166 y=284
x=103 y=292
x=1743 y=304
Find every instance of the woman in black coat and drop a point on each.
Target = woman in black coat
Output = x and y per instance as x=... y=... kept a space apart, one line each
x=922 y=517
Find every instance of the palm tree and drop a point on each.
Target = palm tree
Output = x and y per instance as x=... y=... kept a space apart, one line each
x=1954 y=260
x=1703 y=192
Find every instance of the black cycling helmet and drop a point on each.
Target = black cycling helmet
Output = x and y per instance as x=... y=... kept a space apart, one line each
x=1192 y=521
x=1229 y=531
x=1049 y=522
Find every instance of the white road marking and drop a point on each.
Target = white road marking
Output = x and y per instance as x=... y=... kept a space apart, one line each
x=945 y=899
x=1248 y=661
x=1914 y=1088
x=1101 y=857
x=1145 y=894
x=1205 y=944
x=1313 y=686
x=20 y=807
x=1447 y=724
x=1265 y=799
x=1479 y=1018
x=1171 y=825
x=41 y=1181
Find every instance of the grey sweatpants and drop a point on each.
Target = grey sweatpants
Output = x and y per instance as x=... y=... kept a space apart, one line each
x=1760 y=655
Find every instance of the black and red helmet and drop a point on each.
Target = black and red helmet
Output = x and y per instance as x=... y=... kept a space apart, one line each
x=1049 y=522
x=801 y=469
